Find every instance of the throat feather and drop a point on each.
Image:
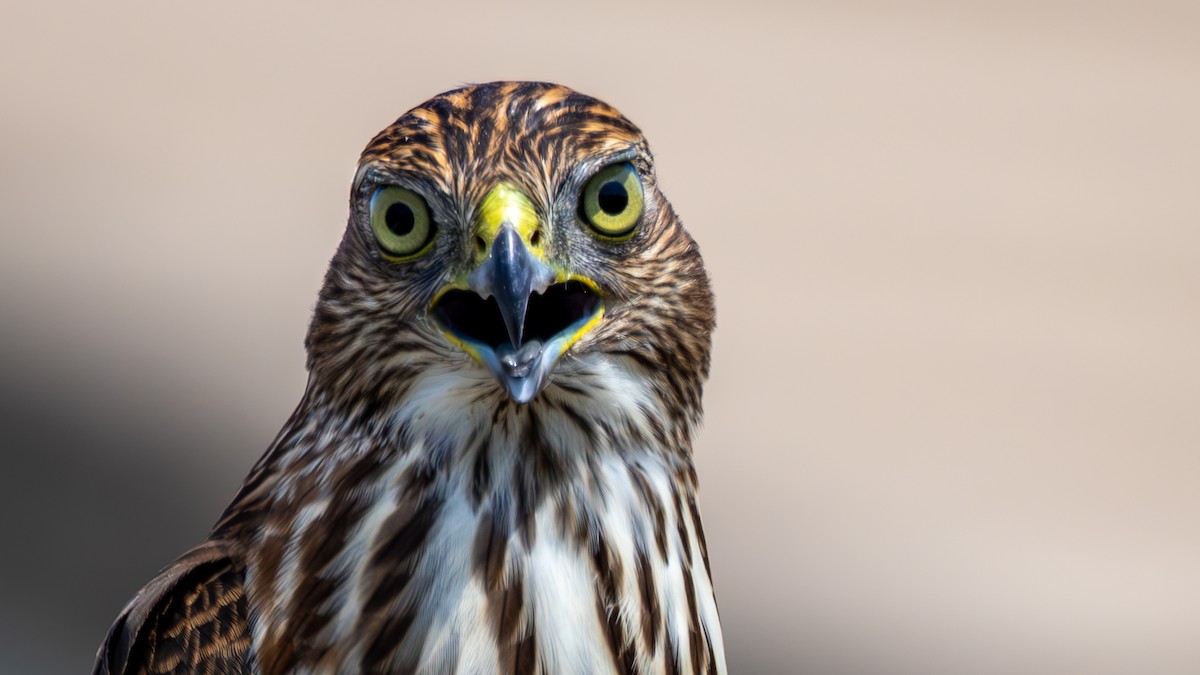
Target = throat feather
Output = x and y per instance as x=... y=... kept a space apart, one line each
x=536 y=536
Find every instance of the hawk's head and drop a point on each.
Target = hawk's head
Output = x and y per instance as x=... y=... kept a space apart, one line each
x=508 y=241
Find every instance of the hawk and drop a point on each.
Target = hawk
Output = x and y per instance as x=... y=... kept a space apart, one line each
x=490 y=470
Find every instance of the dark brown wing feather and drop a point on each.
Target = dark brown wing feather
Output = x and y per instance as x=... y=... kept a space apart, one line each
x=190 y=619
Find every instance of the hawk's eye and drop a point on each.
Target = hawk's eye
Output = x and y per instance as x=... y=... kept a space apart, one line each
x=612 y=201
x=401 y=222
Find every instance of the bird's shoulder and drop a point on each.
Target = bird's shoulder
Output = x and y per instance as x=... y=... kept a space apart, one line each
x=190 y=618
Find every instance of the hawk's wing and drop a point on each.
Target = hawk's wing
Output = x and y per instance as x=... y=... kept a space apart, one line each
x=190 y=619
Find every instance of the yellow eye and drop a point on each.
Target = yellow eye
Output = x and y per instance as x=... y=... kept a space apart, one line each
x=401 y=222
x=612 y=201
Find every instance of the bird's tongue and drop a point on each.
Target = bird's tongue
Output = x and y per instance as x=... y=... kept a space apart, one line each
x=518 y=362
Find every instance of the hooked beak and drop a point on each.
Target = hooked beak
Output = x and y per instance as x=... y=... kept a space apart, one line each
x=511 y=274
x=516 y=314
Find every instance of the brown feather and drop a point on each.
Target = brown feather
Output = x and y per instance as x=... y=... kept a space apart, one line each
x=191 y=619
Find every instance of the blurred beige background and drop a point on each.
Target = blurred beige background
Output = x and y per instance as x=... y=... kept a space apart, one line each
x=953 y=420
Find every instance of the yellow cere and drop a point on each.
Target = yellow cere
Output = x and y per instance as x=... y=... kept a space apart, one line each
x=502 y=204
x=507 y=204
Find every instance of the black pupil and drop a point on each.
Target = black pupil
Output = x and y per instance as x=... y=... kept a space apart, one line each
x=400 y=219
x=613 y=198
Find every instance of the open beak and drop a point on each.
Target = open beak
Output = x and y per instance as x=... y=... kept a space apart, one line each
x=516 y=314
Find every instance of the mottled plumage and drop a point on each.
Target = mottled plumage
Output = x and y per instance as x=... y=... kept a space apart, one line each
x=459 y=490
